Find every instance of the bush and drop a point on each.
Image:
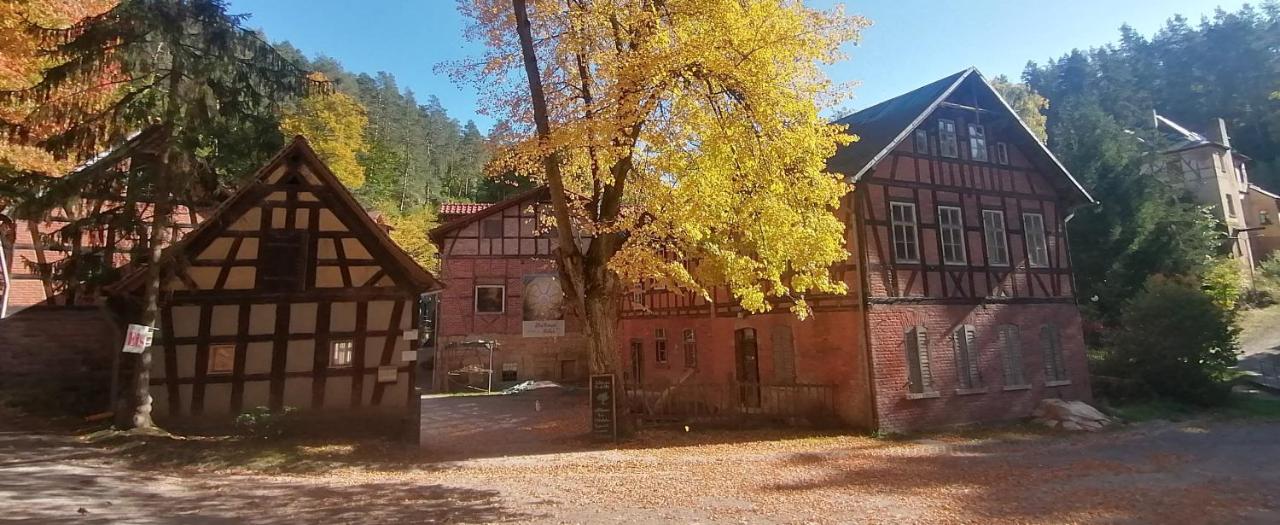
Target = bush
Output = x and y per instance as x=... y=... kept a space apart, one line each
x=1177 y=340
x=262 y=422
x=1224 y=282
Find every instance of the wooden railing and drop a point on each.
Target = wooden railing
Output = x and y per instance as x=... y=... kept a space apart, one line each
x=794 y=403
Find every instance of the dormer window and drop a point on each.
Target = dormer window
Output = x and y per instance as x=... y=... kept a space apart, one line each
x=947 y=145
x=977 y=143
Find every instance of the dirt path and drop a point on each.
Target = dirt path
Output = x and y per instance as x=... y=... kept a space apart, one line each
x=1168 y=473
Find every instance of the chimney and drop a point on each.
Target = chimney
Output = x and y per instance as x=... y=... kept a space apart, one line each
x=1218 y=133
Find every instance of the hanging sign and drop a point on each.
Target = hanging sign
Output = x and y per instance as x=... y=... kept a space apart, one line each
x=137 y=339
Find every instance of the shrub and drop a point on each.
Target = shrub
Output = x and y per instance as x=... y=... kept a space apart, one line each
x=1177 y=340
x=1224 y=282
x=262 y=422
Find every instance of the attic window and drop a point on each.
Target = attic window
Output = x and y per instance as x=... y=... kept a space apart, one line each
x=491 y=228
x=1002 y=154
x=947 y=146
x=977 y=143
x=282 y=257
x=922 y=141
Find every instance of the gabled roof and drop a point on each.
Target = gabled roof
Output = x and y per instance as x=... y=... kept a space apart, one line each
x=455 y=209
x=1259 y=189
x=411 y=274
x=882 y=127
x=539 y=193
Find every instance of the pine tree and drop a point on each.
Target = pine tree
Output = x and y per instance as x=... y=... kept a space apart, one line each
x=189 y=70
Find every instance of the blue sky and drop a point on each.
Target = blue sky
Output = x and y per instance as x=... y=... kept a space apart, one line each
x=912 y=42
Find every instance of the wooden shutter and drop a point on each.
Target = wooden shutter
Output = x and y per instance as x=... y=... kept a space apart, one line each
x=918 y=373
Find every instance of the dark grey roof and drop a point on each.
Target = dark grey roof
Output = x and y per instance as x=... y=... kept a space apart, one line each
x=878 y=126
x=881 y=127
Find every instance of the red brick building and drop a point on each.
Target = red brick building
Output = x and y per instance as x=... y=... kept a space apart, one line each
x=961 y=305
x=501 y=286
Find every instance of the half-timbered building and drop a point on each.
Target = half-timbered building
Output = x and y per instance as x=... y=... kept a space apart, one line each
x=961 y=304
x=288 y=295
x=501 y=287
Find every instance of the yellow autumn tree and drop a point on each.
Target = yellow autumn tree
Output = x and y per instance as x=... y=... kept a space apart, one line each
x=334 y=123
x=682 y=138
x=23 y=60
x=409 y=230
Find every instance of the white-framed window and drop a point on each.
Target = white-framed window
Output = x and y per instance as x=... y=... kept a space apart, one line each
x=222 y=359
x=951 y=231
x=690 y=349
x=1002 y=153
x=1037 y=246
x=1231 y=204
x=997 y=239
x=964 y=345
x=1264 y=217
x=922 y=141
x=491 y=298
x=659 y=345
x=947 y=145
x=1055 y=370
x=1010 y=343
x=340 y=353
x=919 y=375
x=977 y=143
x=906 y=245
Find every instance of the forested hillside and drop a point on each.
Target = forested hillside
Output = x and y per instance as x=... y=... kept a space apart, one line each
x=1227 y=66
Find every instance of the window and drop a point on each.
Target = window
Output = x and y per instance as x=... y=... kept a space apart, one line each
x=922 y=141
x=282 y=261
x=222 y=359
x=977 y=143
x=340 y=353
x=1051 y=343
x=951 y=229
x=660 y=345
x=947 y=146
x=905 y=245
x=491 y=228
x=690 y=349
x=997 y=240
x=1033 y=232
x=1264 y=217
x=963 y=344
x=1002 y=153
x=491 y=298
x=1011 y=355
x=1231 y=205
x=920 y=379
x=510 y=372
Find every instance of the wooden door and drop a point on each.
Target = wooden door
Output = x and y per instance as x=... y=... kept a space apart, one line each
x=637 y=361
x=748 y=364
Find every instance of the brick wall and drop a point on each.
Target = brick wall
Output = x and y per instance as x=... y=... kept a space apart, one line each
x=58 y=357
x=897 y=411
x=824 y=350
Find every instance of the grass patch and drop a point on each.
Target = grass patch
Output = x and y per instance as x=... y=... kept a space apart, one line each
x=1241 y=405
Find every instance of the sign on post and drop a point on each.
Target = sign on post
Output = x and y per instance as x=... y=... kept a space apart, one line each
x=604 y=407
x=137 y=339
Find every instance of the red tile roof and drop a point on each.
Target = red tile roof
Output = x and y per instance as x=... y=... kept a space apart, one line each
x=462 y=208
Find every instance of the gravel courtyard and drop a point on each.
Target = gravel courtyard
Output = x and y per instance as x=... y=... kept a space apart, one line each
x=1205 y=472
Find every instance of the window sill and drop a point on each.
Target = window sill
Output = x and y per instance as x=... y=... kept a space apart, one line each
x=1057 y=383
x=971 y=391
x=923 y=395
x=1012 y=388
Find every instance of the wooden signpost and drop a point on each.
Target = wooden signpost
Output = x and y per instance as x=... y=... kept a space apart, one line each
x=604 y=407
